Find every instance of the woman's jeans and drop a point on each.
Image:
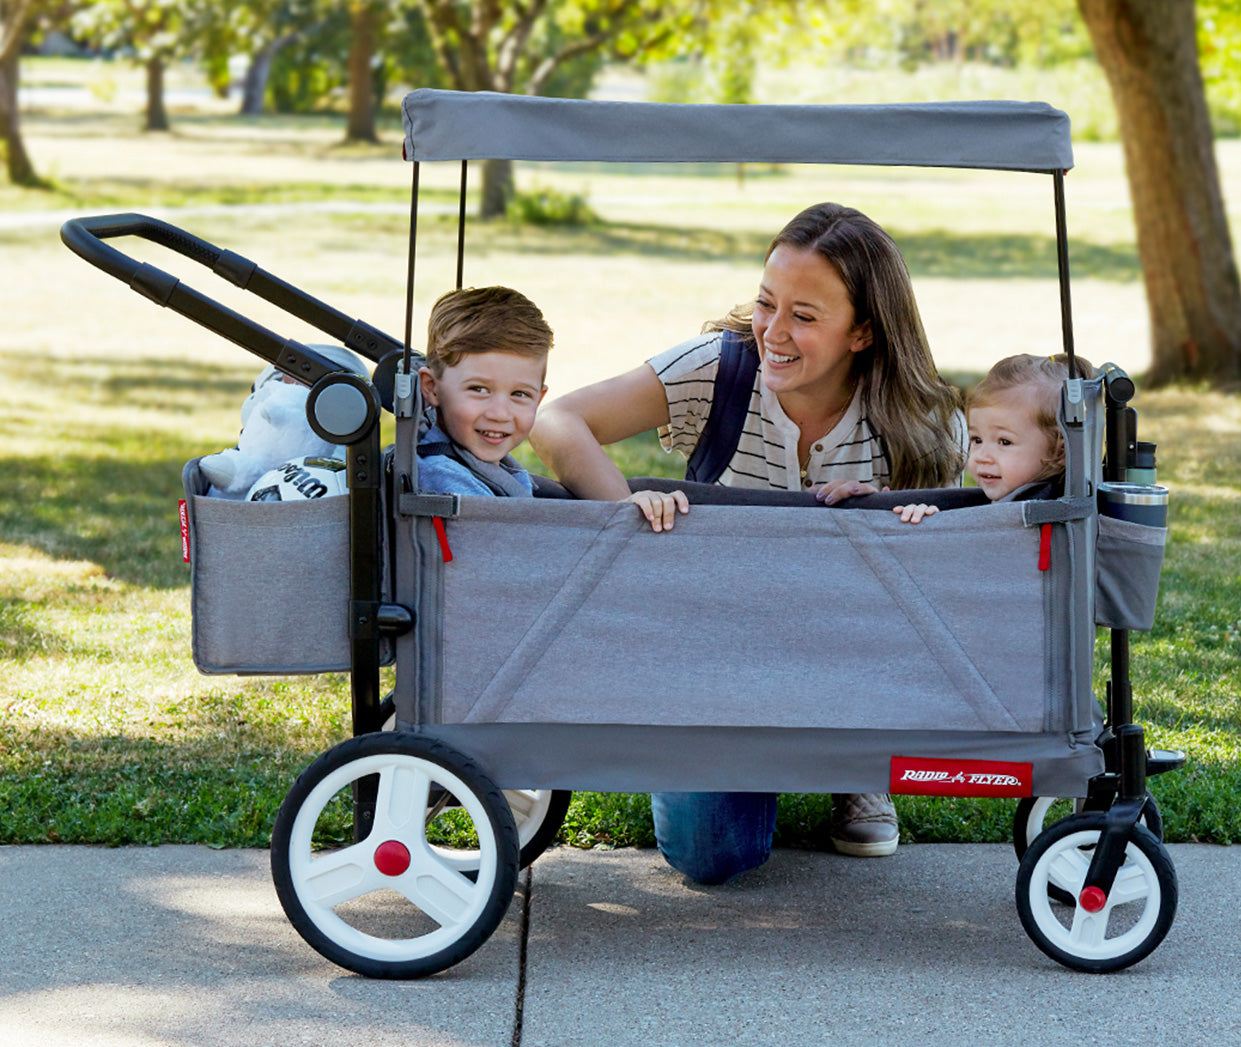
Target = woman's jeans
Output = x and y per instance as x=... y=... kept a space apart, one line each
x=711 y=837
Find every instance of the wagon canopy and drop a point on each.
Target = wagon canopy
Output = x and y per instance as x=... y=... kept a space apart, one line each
x=483 y=125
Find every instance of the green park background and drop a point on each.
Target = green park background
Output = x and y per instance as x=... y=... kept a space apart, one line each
x=109 y=735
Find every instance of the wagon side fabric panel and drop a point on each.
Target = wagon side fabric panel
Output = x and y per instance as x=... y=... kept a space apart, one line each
x=790 y=618
x=269 y=583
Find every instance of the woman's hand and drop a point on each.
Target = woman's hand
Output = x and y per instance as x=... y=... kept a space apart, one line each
x=836 y=490
x=660 y=507
x=915 y=513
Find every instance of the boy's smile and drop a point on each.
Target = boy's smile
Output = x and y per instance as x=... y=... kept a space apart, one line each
x=487 y=401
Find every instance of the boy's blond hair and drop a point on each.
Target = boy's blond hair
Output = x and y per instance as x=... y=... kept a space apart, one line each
x=484 y=320
x=1040 y=378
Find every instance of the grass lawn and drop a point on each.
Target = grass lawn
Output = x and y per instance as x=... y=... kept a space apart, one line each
x=107 y=732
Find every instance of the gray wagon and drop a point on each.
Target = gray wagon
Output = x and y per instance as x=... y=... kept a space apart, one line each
x=463 y=772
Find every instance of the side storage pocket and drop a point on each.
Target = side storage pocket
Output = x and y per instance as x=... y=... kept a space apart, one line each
x=269 y=583
x=1128 y=559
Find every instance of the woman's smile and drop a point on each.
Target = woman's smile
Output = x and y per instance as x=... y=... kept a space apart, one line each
x=805 y=327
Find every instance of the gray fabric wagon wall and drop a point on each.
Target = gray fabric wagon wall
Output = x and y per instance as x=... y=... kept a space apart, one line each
x=578 y=613
x=751 y=648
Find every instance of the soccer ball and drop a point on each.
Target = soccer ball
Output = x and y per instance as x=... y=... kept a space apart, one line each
x=299 y=479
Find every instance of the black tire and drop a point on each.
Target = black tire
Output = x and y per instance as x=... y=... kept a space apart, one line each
x=378 y=921
x=1139 y=910
x=539 y=816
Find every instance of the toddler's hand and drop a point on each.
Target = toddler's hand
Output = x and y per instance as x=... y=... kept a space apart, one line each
x=836 y=490
x=915 y=513
x=659 y=507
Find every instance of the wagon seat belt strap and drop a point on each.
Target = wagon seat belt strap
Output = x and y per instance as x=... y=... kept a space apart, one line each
x=730 y=403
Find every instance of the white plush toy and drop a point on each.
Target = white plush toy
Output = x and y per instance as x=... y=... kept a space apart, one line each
x=273 y=429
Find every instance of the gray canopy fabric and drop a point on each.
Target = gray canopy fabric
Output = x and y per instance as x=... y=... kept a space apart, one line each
x=998 y=135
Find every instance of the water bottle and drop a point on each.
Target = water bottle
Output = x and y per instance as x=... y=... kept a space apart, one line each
x=1140 y=468
x=1139 y=503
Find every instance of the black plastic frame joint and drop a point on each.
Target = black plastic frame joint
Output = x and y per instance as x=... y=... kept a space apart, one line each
x=153 y=283
x=234 y=268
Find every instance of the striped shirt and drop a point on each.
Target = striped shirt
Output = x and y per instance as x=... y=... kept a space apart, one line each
x=767 y=451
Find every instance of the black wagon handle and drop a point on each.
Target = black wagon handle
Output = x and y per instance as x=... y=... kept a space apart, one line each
x=87 y=238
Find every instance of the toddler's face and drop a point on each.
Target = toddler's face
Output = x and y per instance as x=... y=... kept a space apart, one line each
x=487 y=402
x=1008 y=448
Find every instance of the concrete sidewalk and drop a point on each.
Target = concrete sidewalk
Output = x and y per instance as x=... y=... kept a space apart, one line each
x=188 y=947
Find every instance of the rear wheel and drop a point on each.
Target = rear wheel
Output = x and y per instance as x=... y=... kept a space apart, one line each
x=1035 y=813
x=430 y=881
x=1095 y=934
x=539 y=814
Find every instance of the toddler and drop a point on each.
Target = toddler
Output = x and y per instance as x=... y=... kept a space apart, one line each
x=1014 y=435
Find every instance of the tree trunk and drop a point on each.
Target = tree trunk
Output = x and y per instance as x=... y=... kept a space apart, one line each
x=498 y=188
x=361 y=126
x=157 y=115
x=254 y=90
x=21 y=171
x=1148 y=50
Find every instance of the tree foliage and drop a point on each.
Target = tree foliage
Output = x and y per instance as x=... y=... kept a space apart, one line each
x=483 y=45
x=1219 y=46
x=152 y=31
x=918 y=32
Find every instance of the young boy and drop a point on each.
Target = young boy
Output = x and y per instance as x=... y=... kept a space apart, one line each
x=486 y=360
x=1014 y=437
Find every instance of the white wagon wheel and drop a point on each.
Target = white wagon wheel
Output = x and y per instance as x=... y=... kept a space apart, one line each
x=403 y=902
x=1096 y=934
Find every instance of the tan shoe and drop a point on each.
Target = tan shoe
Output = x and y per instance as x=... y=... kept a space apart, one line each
x=864 y=824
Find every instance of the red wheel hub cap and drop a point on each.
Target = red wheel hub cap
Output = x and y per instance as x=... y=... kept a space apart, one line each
x=1092 y=899
x=392 y=858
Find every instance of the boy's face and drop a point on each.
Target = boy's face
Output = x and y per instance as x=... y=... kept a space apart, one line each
x=1008 y=448
x=487 y=401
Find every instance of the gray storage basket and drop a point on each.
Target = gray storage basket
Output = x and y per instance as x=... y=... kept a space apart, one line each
x=269 y=582
x=1128 y=558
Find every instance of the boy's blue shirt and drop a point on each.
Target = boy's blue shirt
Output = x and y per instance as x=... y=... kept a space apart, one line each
x=445 y=475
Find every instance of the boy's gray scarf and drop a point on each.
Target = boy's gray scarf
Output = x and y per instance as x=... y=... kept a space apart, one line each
x=497 y=475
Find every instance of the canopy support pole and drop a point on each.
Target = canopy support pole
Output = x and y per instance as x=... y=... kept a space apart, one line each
x=1062 y=260
x=461 y=227
x=409 y=275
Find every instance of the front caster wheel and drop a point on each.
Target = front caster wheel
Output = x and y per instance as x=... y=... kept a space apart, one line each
x=430 y=881
x=1104 y=935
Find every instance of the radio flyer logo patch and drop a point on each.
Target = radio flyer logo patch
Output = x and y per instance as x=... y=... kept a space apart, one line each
x=913 y=776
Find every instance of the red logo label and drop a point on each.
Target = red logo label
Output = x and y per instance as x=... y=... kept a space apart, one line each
x=913 y=776
x=183 y=512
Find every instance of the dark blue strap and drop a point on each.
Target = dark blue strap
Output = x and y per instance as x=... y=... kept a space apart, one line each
x=730 y=403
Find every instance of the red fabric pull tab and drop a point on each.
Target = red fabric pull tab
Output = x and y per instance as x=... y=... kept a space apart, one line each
x=183 y=513
x=1044 y=548
x=442 y=534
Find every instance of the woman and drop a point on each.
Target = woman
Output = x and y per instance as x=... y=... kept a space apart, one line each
x=846 y=392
